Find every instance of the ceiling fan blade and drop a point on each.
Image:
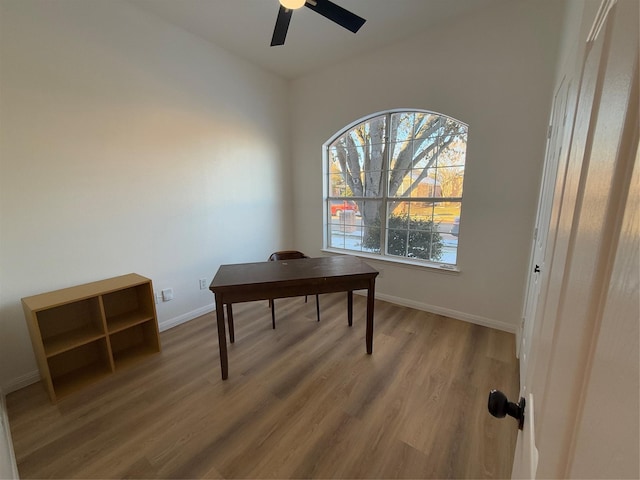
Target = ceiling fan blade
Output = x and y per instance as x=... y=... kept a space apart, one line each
x=337 y=14
x=282 y=25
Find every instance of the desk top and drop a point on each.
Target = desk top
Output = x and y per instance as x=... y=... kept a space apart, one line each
x=290 y=270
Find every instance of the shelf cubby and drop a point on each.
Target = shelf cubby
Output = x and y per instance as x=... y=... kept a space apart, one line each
x=84 y=333
x=75 y=368
x=70 y=325
x=128 y=307
x=134 y=342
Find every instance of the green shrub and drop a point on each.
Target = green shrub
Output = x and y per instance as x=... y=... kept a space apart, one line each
x=407 y=238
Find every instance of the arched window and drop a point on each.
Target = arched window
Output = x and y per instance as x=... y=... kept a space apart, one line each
x=393 y=187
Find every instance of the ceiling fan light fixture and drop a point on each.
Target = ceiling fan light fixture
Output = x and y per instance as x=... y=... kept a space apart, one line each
x=292 y=4
x=326 y=8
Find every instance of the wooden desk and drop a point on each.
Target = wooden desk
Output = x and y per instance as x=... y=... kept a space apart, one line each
x=249 y=282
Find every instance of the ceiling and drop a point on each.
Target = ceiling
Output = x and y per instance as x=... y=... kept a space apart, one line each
x=244 y=27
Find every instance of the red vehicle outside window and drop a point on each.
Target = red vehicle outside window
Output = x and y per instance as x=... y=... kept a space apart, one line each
x=338 y=206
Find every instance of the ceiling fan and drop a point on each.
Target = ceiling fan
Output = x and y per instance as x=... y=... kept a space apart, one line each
x=327 y=9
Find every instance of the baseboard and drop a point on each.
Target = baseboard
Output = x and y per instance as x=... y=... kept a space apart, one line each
x=6 y=443
x=21 y=382
x=465 y=317
x=185 y=317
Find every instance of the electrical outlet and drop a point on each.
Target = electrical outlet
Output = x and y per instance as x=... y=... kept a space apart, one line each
x=203 y=283
x=167 y=294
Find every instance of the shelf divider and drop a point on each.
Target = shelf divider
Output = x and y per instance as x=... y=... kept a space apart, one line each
x=72 y=339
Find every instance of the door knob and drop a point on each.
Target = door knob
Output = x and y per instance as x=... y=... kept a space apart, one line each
x=499 y=406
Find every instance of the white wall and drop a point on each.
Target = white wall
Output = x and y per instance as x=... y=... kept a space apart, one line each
x=493 y=70
x=128 y=145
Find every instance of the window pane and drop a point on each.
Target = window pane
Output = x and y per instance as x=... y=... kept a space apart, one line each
x=347 y=228
x=401 y=126
x=359 y=153
x=428 y=126
x=456 y=128
x=445 y=215
x=335 y=151
x=400 y=210
x=337 y=185
x=447 y=219
x=370 y=218
x=373 y=182
x=375 y=130
x=426 y=151
x=410 y=160
x=449 y=181
x=411 y=231
x=347 y=158
x=399 y=182
x=401 y=154
x=452 y=151
x=410 y=211
x=415 y=183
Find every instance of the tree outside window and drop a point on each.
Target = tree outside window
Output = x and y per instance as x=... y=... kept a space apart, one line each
x=394 y=186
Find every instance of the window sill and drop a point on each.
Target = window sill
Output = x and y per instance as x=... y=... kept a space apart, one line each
x=438 y=267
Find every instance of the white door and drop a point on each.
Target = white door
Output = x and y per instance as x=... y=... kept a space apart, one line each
x=583 y=374
x=558 y=134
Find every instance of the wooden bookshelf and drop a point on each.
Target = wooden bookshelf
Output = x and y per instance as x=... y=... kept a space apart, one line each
x=84 y=333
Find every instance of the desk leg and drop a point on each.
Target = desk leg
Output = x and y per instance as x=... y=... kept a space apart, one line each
x=370 y=303
x=232 y=335
x=222 y=337
x=350 y=307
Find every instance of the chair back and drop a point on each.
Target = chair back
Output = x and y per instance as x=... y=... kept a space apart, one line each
x=286 y=255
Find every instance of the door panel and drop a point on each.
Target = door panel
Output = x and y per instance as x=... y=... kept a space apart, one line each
x=553 y=163
x=610 y=411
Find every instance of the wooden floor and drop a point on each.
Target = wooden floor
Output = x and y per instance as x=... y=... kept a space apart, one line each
x=301 y=401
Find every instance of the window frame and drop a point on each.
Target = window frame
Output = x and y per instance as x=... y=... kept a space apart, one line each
x=385 y=199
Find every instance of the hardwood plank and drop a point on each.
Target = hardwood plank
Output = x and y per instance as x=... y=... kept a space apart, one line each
x=302 y=401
